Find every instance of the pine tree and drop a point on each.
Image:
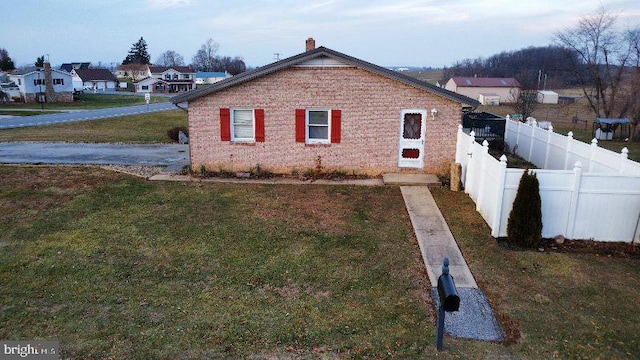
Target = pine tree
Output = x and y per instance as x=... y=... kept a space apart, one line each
x=6 y=64
x=524 y=227
x=138 y=54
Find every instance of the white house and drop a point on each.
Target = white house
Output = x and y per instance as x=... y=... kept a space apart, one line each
x=44 y=84
x=93 y=79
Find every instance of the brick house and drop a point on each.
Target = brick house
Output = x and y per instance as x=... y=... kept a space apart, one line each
x=322 y=107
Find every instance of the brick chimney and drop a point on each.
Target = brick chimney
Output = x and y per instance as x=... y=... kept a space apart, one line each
x=310 y=44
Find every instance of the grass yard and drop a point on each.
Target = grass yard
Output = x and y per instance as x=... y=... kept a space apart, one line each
x=143 y=128
x=113 y=266
x=88 y=101
x=551 y=304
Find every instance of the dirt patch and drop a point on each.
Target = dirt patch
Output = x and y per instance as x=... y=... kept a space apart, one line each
x=600 y=248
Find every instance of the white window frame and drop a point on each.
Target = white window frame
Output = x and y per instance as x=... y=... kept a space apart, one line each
x=233 y=126
x=307 y=125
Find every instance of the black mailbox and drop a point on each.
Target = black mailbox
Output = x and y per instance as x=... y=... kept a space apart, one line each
x=449 y=299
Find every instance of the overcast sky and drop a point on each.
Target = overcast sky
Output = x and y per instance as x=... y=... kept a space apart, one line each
x=385 y=32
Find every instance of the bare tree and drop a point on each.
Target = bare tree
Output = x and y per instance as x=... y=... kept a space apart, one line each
x=602 y=62
x=170 y=58
x=205 y=59
x=524 y=102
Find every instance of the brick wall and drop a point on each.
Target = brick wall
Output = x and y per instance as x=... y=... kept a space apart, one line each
x=370 y=104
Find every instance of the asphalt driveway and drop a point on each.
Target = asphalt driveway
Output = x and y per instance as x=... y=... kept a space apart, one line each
x=173 y=155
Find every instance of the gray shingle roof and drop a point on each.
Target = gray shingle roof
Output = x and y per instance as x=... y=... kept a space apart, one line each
x=316 y=53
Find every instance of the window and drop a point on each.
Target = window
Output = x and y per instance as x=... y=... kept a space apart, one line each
x=145 y=87
x=186 y=76
x=58 y=81
x=242 y=125
x=38 y=82
x=318 y=126
x=167 y=76
x=175 y=76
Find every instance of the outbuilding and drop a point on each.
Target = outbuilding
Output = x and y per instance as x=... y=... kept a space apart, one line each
x=547 y=97
x=323 y=110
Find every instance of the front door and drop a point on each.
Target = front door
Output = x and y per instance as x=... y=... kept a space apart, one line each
x=412 y=133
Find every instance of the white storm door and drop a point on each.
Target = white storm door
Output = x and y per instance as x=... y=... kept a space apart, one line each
x=412 y=133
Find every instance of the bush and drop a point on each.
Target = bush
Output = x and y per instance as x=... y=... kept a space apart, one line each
x=173 y=133
x=524 y=227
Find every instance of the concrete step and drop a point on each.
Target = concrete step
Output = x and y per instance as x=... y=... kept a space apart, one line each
x=411 y=179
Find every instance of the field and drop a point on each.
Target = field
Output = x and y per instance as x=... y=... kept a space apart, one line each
x=86 y=101
x=143 y=128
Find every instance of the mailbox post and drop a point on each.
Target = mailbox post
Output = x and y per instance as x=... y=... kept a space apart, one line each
x=449 y=300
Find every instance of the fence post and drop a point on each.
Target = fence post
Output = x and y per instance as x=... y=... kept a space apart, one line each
x=497 y=208
x=567 y=150
x=573 y=204
x=594 y=148
x=624 y=155
x=546 y=155
x=469 y=174
x=484 y=154
x=458 y=141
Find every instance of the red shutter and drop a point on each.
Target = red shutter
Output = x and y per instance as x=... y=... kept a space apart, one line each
x=259 y=114
x=336 y=118
x=225 y=124
x=300 y=125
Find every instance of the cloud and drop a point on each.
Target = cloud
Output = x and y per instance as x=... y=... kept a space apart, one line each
x=164 y=4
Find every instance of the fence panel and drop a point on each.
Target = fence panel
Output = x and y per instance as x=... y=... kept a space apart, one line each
x=601 y=203
x=608 y=207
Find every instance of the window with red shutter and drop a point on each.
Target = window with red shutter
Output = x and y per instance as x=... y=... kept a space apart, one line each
x=336 y=118
x=225 y=124
x=259 y=116
x=300 y=125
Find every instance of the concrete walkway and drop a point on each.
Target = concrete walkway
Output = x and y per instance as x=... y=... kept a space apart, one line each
x=475 y=319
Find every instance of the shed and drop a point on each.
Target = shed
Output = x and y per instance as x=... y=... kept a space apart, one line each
x=489 y=98
x=605 y=128
x=547 y=97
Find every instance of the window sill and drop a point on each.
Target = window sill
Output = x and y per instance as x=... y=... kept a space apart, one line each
x=243 y=143
x=317 y=145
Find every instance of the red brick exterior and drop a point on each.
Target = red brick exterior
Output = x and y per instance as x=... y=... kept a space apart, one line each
x=370 y=123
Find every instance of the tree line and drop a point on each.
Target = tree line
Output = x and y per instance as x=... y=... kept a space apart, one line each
x=205 y=59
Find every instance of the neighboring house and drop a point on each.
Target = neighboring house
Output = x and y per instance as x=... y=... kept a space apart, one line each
x=507 y=89
x=323 y=109
x=93 y=79
x=176 y=78
x=203 y=77
x=134 y=72
x=76 y=65
x=44 y=84
x=163 y=79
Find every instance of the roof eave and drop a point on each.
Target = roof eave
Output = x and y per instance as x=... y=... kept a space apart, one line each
x=322 y=51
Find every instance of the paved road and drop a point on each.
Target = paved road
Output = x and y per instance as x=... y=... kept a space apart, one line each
x=83 y=115
x=173 y=155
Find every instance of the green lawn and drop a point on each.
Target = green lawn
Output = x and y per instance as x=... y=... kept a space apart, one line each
x=143 y=128
x=117 y=267
x=114 y=266
x=87 y=101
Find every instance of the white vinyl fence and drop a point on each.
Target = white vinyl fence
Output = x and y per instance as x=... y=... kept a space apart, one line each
x=596 y=197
